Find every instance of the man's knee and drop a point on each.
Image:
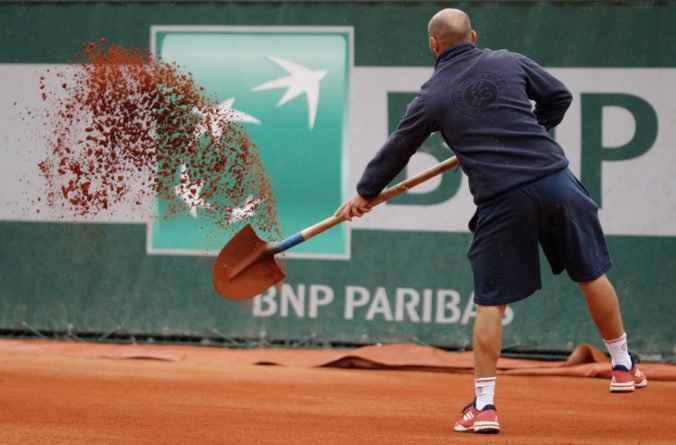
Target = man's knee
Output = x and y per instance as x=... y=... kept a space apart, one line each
x=596 y=281
x=488 y=323
x=497 y=310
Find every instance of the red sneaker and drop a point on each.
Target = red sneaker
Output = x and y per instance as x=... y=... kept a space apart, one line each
x=625 y=380
x=474 y=421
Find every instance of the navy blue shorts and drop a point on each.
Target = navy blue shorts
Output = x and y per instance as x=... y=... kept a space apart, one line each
x=556 y=212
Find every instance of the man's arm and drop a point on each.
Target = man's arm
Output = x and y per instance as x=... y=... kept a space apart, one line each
x=551 y=96
x=396 y=152
x=411 y=132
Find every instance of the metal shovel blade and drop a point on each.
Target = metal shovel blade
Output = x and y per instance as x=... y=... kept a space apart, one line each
x=261 y=271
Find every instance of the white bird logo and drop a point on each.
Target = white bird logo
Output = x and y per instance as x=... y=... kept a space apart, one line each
x=245 y=211
x=232 y=115
x=216 y=117
x=190 y=192
x=301 y=80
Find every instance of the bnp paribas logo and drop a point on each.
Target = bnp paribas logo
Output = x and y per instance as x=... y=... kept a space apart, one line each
x=290 y=87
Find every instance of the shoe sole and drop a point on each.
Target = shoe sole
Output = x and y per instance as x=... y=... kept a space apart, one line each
x=627 y=387
x=485 y=427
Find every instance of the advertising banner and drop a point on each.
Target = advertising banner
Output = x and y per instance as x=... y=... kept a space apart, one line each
x=318 y=88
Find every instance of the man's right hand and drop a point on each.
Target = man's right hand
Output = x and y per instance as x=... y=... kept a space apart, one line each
x=355 y=206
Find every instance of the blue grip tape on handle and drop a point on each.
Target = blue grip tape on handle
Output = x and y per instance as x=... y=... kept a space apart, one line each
x=287 y=243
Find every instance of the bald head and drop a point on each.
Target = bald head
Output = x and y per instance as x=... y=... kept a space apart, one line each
x=449 y=27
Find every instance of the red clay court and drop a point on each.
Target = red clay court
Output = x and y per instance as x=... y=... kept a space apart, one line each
x=88 y=393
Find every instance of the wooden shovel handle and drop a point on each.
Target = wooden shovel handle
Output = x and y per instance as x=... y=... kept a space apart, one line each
x=411 y=182
x=387 y=194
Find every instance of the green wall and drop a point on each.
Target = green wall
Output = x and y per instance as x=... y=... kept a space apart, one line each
x=99 y=278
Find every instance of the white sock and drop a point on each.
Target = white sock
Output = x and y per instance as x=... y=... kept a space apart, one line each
x=619 y=352
x=485 y=389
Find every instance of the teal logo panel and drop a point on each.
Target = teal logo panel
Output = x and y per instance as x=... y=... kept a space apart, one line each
x=290 y=88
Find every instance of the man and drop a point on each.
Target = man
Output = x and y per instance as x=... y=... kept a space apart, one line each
x=479 y=100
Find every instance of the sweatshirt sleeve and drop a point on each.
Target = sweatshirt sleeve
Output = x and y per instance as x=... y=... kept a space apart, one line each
x=551 y=96
x=411 y=132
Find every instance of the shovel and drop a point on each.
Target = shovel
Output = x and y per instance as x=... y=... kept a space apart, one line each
x=246 y=266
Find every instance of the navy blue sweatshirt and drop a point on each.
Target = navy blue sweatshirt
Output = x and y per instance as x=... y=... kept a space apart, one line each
x=479 y=100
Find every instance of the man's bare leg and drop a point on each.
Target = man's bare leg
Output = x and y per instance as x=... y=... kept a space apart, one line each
x=605 y=311
x=482 y=417
x=487 y=339
x=603 y=307
x=487 y=344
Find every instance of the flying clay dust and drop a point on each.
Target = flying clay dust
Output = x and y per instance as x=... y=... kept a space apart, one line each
x=123 y=125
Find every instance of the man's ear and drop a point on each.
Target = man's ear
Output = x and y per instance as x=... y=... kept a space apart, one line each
x=474 y=36
x=434 y=46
